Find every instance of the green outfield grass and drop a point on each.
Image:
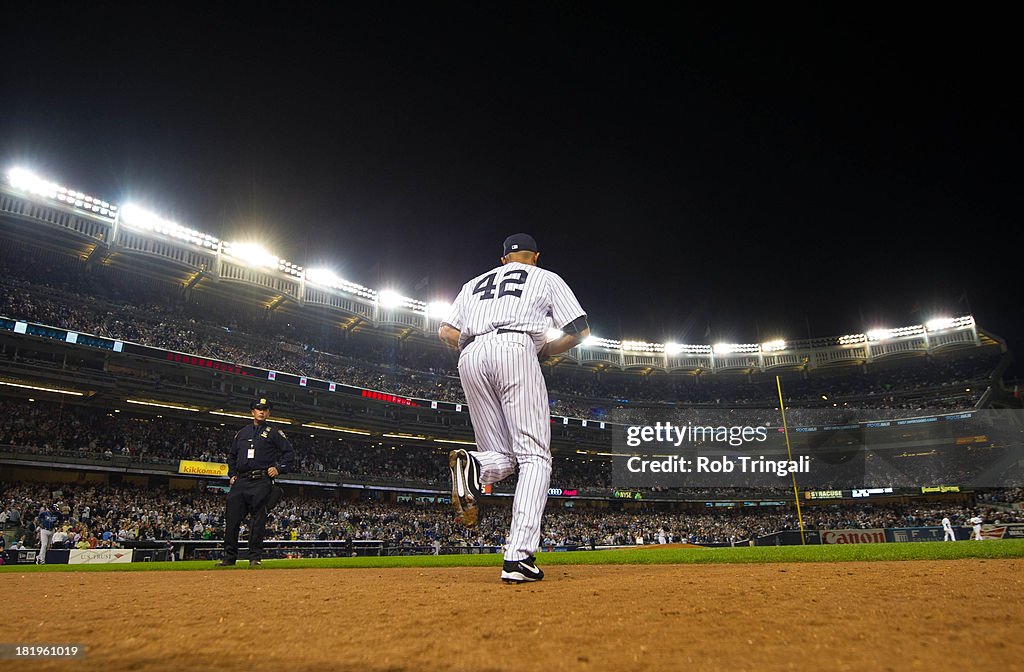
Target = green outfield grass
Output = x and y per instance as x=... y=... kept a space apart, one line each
x=630 y=556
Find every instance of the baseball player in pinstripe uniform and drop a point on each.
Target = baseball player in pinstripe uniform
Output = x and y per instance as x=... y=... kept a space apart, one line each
x=976 y=521
x=499 y=323
x=947 y=528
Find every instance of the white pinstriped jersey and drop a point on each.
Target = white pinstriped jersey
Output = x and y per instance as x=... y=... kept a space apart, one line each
x=514 y=296
x=504 y=385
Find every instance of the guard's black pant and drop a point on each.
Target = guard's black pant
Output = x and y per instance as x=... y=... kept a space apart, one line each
x=247 y=496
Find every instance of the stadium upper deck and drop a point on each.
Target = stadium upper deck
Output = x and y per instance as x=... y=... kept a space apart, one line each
x=44 y=214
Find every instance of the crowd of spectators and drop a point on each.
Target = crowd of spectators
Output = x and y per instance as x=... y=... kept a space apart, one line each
x=39 y=287
x=76 y=433
x=1002 y=496
x=97 y=515
x=170 y=325
x=62 y=430
x=912 y=385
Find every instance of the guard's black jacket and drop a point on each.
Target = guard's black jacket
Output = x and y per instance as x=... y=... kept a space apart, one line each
x=271 y=449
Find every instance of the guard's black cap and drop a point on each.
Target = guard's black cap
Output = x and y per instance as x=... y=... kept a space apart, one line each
x=520 y=242
x=261 y=404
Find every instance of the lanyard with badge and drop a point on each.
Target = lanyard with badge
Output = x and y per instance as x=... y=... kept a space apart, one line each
x=251 y=454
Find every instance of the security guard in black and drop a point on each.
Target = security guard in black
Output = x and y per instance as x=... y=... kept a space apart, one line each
x=259 y=453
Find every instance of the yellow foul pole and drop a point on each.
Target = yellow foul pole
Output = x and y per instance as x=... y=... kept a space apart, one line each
x=785 y=431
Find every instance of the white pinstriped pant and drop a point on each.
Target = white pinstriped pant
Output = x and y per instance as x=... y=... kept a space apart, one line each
x=508 y=406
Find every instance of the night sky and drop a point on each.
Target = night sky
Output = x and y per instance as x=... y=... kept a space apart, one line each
x=695 y=177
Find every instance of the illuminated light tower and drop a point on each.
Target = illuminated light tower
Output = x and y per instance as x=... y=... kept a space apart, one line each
x=389 y=299
x=252 y=254
x=438 y=309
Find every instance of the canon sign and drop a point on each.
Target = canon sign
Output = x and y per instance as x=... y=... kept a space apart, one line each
x=853 y=536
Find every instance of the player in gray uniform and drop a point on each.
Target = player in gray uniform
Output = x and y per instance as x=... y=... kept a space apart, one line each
x=499 y=323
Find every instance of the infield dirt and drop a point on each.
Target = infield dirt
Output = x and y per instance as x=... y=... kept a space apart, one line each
x=924 y=615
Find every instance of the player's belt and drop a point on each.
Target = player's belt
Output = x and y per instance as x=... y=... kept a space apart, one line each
x=255 y=475
x=498 y=331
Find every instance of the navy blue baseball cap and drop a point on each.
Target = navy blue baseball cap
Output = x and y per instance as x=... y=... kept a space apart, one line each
x=520 y=242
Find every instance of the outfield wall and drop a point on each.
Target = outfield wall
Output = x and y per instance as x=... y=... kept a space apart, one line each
x=212 y=549
x=891 y=535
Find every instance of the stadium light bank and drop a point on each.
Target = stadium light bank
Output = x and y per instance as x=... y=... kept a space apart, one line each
x=137 y=218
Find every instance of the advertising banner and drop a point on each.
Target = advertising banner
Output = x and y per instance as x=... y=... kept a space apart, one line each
x=823 y=494
x=788 y=538
x=901 y=534
x=875 y=536
x=99 y=556
x=202 y=468
x=25 y=556
x=993 y=531
x=1013 y=531
x=891 y=535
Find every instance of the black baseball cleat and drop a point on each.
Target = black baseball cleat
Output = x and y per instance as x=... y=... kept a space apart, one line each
x=521 y=571
x=225 y=563
x=466 y=487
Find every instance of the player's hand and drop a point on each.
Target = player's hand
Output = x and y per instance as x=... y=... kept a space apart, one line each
x=272 y=472
x=233 y=479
